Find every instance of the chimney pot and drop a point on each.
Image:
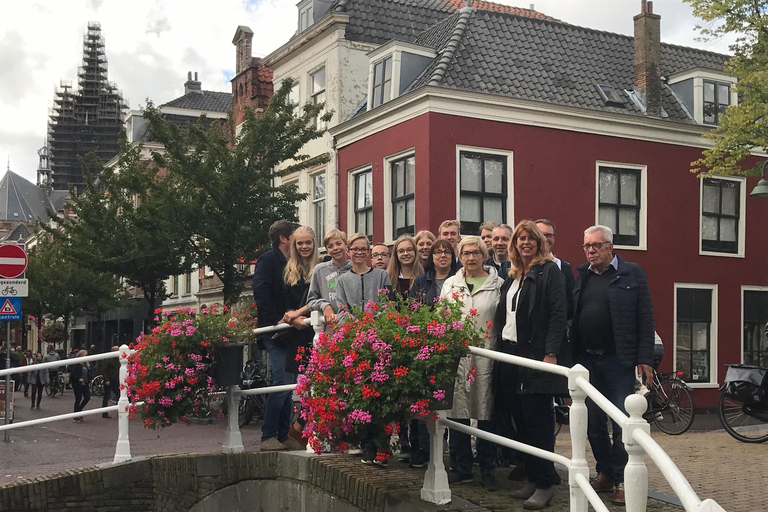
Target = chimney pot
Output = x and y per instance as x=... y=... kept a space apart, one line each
x=192 y=85
x=650 y=7
x=647 y=62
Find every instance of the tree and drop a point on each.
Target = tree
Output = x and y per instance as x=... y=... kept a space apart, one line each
x=226 y=180
x=743 y=127
x=127 y=224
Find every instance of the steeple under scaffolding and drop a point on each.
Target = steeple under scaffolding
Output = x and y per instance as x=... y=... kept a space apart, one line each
x=85 y=120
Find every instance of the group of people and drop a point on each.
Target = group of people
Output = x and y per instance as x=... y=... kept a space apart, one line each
x=528 y=298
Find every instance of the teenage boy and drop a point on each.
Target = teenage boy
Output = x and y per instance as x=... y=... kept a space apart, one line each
x=362 y=283
x=380 y=256
x=322 y=290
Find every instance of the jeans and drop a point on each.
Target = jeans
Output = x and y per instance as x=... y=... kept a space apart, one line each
x=109 y=389
x=279 y=406
x=460 y=447
x=82 y=395
x=616 y=382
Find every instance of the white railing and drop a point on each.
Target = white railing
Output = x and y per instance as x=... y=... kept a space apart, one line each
x=635 y=435
x=123 y=446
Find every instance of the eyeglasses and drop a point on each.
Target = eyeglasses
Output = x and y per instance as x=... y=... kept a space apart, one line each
x=405 y=251
x=475 y=254
x=549 y=236
x=595 y=245
x=378 y=255
x=442 y=252
x=358 y=249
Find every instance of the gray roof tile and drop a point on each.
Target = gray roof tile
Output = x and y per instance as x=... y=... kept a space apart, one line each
x=211 y=101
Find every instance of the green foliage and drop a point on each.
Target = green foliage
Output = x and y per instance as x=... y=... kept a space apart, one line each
x=225 y=181
x=743 y=127
x=53 y=333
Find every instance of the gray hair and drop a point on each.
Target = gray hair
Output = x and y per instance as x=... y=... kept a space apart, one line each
x=507 y=227
x=605 y=230
x=474 y=240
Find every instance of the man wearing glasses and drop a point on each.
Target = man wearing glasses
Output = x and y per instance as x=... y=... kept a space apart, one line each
x=380 y=256
x=613 y=336
x=547 y=228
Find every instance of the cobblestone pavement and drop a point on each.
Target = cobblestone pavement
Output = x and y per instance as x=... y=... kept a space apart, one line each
x=716 y=465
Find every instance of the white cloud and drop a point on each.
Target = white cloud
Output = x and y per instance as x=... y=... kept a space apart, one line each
x=151 y=46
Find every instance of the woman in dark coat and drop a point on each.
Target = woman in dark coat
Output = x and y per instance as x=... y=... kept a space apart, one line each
x=440 y=266
x=532 y=315
x=78 y=377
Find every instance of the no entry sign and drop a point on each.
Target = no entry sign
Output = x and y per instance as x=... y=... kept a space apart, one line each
x=13 y=261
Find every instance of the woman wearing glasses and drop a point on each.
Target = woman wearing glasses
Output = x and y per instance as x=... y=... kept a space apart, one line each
x=404 y=266
x=531 y=315
x=477 y=286
x=440 y=266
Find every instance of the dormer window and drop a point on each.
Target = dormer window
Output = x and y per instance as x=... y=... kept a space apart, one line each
x=704 y=93
x=306 y=15
x=610 y=96
x=382 y=82
x=393 y=67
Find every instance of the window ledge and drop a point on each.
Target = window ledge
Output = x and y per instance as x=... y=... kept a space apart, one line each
x=631 y=247
x=721 y=254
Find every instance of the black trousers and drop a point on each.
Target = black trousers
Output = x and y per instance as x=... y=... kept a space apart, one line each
x=82 y=395
x=113 y=388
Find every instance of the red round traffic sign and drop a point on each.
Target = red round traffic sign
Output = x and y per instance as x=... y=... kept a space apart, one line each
x=13 y=261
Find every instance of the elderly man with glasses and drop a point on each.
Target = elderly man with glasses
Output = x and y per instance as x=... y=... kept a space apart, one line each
x=613 y=335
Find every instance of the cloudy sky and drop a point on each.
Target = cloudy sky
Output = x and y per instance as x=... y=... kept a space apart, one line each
x=152 y=44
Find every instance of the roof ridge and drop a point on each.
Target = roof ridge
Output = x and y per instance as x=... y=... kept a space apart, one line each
x=451 y=46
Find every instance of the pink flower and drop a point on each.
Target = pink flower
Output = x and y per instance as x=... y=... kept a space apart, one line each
x=360 y=415
x=438 y=395
x=413 y=328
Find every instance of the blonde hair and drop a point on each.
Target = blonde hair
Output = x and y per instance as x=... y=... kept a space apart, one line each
x=297 y=268
x=425 y=233
x=474 y=240
x=357 y=236
x=448 y=223
x=82 y=353
x=334 y=233
x=394 y=264
x=542 y=250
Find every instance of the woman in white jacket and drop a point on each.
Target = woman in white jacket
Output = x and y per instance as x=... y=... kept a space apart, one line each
x=477 y=286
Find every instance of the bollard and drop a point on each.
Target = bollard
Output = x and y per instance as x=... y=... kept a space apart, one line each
x=578 y=428
x=123 y=448
x=635 y=473
x=233 y=438
x=436 y=489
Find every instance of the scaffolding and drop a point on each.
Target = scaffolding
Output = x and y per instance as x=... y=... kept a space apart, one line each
x=84 y=120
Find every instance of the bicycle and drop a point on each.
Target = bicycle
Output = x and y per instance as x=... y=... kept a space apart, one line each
x=743 y=403
x=9 y=290
x=56 y=385
x=670 y=403
x=97 y=385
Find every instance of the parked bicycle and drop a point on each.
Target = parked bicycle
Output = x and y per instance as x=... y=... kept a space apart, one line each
x=670 y=403
x=251 y=407
x=743 y=404
x=97 y=385
x=57 y=384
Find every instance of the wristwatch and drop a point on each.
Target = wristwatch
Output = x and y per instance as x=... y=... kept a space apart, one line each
x=551 y=354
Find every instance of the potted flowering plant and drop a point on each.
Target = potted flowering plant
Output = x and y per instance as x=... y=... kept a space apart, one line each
x=382 y=364
x=172 y=370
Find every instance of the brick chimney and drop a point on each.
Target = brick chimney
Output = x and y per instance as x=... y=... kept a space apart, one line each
x=192 y=85
x=242 y=41
x=648 y=57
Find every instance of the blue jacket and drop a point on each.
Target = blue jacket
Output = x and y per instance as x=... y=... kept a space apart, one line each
x=267 y=287
x=631 y=312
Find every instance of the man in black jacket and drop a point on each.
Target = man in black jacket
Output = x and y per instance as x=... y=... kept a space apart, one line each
x=614 y=336
x=547 y=227
x=267 y=287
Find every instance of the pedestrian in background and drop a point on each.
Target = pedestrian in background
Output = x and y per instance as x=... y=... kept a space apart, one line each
x=27 y=360
x=109 y=369
x=53 y=373
x=78 y=377
x=38 y=380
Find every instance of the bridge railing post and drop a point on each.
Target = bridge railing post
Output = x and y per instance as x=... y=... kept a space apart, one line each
x=636 y=472
x=233 y=438
x=123 y=448
x=436 y=489
x=318 y=324
x=578 y=429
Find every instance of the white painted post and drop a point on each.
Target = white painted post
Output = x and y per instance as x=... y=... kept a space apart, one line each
x=578 y=429
x=436 y=489
x=123 y=448
x=233 y=438
x=318 y=324
x=635 y=473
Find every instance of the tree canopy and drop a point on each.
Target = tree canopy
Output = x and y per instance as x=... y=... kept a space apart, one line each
x=743 y=127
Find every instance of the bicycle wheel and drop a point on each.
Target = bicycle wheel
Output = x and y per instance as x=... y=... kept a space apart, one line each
x=49 y=389
x=675 y=414
x=746 y=422
x=97 y=386
x=245 y=411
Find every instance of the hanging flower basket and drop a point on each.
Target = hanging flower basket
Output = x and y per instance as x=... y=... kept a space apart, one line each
x=382 y=364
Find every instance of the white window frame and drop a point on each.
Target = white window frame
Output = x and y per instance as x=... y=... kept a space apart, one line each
x=314 y=201
x=351 y=196
x=296 y=96
x=187 y=288
x=386 y=166
x=742 y=228
x=642 y=244
x=321 y=125
x=306 y=7
x=747 y=288
x=395 y=50
x=713 y=340
x=699 y=75
x=504 y=153
x=294 y=180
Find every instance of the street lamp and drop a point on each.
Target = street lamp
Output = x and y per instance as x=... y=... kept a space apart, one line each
x=761 y=190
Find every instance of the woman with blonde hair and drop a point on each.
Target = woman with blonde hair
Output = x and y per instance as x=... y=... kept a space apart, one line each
x=424 y=241
x=532 y=315
x=404 y=266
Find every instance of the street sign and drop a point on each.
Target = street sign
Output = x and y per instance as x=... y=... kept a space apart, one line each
x=14 y=287
x=13 y=261
x=10 y=309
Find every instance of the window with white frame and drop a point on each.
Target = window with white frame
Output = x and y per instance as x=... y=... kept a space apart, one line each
x=188 y=283
x=318 y=204
x=317 y=84
x=721 y=214
x=694 y=332
x=363 y=202
x=306 y=15
x=382 y=81
x=620 y=202
x=174 y=286
x=755 y=318
x=403 y=180
x=482 y=189
x=717 y=97
x=295 y=185
x=295 y=98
